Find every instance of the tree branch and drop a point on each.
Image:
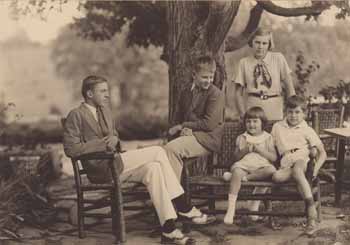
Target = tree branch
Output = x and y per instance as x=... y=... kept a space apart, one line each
x=233 y=43
x=219 y=22
x=316 y=8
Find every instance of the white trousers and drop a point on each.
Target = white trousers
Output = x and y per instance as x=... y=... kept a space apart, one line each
x=151 y=167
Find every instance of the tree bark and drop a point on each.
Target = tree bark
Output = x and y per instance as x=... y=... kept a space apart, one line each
x=195 y=28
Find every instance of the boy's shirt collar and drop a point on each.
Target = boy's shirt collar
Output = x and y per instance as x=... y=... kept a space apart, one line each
x=200 y=89
x=302 y=124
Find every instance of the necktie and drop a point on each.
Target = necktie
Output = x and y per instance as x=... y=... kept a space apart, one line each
x=262 y=75
x=102 y=121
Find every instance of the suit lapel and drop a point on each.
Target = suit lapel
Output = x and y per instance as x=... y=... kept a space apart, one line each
x=188 y=103
x=91 y=120
x=198 y=99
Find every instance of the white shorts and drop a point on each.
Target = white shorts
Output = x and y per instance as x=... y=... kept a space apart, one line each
x=289 y=159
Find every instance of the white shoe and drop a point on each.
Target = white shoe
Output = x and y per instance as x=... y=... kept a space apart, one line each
x=176 y=237
x=197 y=217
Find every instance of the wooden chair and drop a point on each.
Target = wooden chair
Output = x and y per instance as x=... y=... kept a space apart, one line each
x=112 y=194
x=204 y=181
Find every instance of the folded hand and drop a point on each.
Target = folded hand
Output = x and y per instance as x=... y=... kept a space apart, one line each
x=175 y=129
x=111 y=142
x=186 y=132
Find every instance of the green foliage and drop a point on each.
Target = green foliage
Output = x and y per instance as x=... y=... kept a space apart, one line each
x=104 y=19
x=137 y=75
x=303 y=72
x=340 y=91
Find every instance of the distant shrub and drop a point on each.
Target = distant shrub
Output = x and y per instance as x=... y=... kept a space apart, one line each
x=135 y=124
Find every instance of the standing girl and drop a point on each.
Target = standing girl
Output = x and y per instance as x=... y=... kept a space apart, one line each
x=262 y=76
x=255 y=152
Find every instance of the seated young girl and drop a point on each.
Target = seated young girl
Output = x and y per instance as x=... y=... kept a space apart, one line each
x=255 y=152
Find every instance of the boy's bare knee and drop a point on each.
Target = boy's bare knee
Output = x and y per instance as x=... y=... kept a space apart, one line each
x=271 y=169
x=276 y=177
x=238 y=173
x=279 y=177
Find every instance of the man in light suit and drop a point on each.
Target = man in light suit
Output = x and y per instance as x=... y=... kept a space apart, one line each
x=199 y=115
x=90 y=128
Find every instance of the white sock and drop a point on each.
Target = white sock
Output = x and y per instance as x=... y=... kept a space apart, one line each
x=231 y=207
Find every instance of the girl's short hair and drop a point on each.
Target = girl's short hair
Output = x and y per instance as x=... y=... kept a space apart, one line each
x=262 y=32
x=256 y=112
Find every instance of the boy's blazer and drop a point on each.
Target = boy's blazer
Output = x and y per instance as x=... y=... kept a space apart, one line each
x=203 y=112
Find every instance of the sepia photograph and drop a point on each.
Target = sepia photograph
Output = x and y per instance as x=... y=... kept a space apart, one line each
x=175 y=122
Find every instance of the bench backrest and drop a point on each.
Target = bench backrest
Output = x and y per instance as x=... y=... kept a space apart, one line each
x=231 y=130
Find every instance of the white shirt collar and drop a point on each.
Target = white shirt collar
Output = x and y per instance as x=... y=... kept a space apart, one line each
x=194 y=85
x=302 y=124
x=256 y=139
x=265 y=59
x=92 y=109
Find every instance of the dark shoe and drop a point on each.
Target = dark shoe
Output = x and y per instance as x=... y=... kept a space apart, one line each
x=195 y=216
x=176 y=237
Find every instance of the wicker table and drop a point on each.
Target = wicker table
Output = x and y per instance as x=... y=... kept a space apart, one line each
x=342 y=134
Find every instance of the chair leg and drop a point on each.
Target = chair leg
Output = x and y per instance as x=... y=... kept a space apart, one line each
x=118 y=223
x=186 y=227
x=319 y=204
x=81 y=231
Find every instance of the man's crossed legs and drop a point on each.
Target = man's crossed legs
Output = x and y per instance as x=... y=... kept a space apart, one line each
x=151 y=167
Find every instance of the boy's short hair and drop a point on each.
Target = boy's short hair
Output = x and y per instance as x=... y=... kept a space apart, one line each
x=89 y=82
x=204 y=62
x=256 y=112
x=294 y=101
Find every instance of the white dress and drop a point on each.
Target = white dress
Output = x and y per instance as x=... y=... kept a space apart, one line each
x=253 y=161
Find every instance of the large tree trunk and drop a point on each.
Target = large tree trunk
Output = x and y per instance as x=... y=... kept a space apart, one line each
x=195 y=28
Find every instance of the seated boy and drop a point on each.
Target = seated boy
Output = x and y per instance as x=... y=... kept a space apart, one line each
x=294 y=140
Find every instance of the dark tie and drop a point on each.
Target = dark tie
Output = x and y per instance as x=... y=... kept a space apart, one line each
x=261 y=70
x=102 y=121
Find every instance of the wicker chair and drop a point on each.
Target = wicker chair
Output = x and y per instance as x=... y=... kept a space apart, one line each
x=323 y=118
x=203 y=180
x=114 y=195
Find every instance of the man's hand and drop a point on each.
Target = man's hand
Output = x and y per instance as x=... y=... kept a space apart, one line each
x=111 y=142
x=175 y=129
x=186 y=132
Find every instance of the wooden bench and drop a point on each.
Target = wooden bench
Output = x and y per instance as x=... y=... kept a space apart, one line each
x=203 y=180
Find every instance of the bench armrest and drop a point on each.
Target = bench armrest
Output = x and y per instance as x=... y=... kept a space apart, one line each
x=96 y=156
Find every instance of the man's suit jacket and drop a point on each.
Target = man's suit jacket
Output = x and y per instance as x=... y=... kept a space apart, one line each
x=82 y=134
x=203 y=113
